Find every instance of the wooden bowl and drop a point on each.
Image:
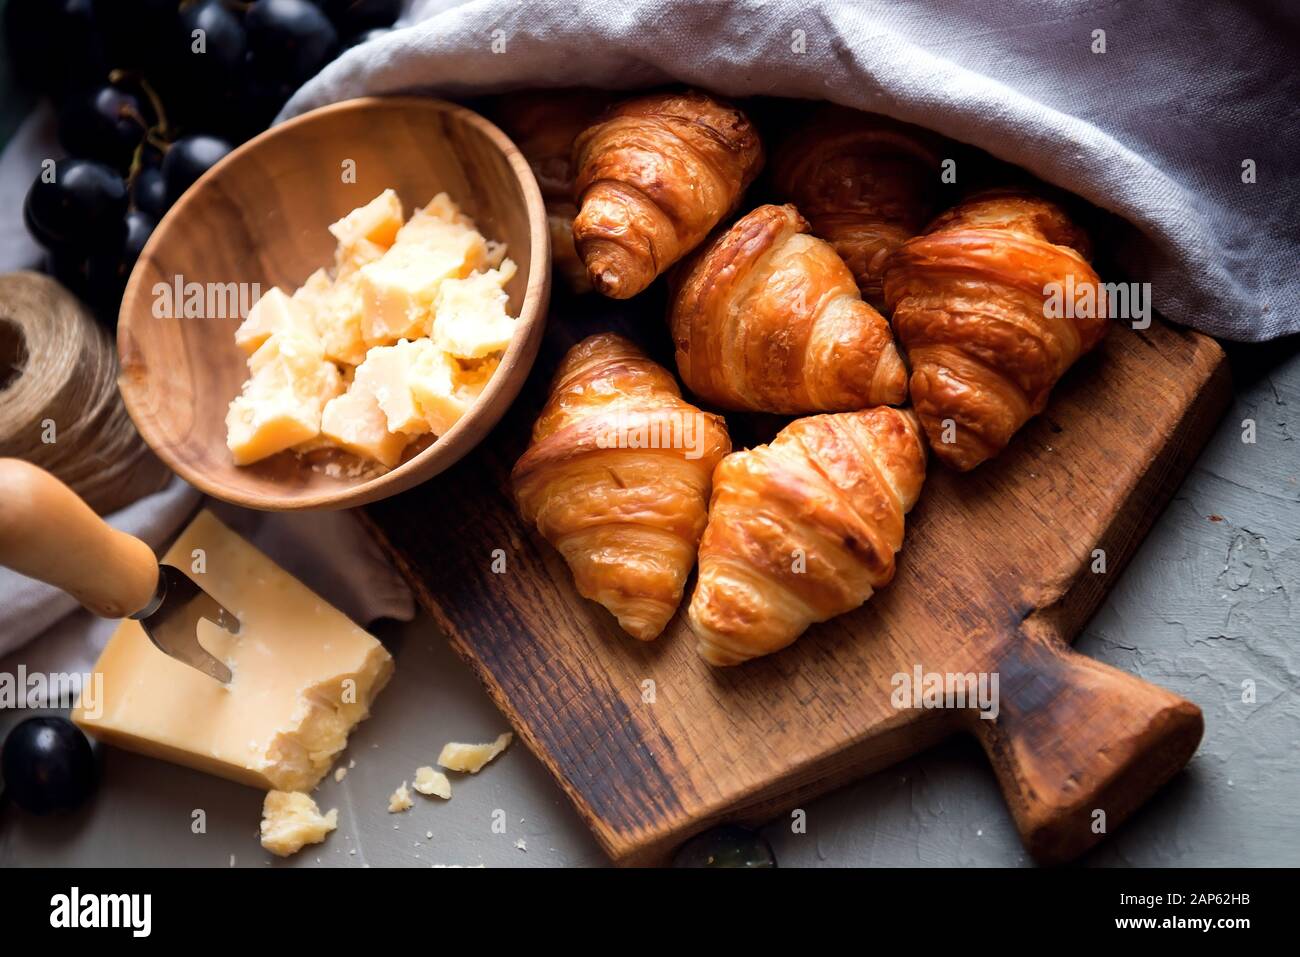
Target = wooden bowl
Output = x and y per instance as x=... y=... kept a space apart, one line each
x=260 y=216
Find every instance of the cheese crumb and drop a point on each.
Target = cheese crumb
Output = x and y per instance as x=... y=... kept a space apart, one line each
x=471 y=758
x=340 y=774
x=432 y=783
x=400 y=800
x=291 y=820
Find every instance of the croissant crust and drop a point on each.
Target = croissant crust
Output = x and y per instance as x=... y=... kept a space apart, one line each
x=970 y=307
x=803 y=529
x=654 y=176
x=617 y=478
x=544 y=124
x=867 y=183
x=767 y=318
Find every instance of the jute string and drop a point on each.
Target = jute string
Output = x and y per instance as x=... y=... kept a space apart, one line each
x=59 y=404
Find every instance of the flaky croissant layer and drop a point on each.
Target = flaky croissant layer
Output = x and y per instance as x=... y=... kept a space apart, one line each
x=653 y=177
x=867 y=184
x=803 y=529
x=544 y=124
x=974 y=310
x=618 y=477
x=768 y=318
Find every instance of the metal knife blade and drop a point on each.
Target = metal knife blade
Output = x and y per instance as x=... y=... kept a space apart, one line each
x=171 y=620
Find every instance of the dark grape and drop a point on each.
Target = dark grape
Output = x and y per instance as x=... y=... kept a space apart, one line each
x=48 y=765
x=137 y=31
x=263 y=94
x=188 y=159
x=108 y=269
x=224 y=40
x=106 y=124
x=56 y=45
x=149 y=192
x=357 y=16
x=295 y=35
x=81 y=208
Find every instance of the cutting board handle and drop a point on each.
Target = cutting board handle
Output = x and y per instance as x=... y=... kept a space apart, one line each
x=47 y=532
x=1078 y=745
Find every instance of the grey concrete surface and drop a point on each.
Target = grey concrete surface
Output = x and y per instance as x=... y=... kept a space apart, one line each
x=1207 y=604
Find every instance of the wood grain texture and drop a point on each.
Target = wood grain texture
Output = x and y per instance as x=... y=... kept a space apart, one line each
x=261 y=216
x=994 y=575
x=48 y=532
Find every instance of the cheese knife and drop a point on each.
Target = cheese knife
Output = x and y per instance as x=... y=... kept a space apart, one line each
x=48 y=533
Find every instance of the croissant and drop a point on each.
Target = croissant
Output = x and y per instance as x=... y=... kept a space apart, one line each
x=992 y=304
x=617 y=478
x=654 y=176
x=803 y=529
x=767 y=318
x=867 y=184
x=544 y=124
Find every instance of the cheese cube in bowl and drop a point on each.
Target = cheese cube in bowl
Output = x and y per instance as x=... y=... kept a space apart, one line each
x=313 y=252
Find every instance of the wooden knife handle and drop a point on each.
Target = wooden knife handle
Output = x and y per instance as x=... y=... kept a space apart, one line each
x=1078 y=745
x=47 y=532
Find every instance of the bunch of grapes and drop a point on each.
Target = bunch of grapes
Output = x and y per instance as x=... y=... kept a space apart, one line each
x=150 y=94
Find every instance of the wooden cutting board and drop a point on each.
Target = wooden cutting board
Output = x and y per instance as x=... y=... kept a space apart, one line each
x=996 y=576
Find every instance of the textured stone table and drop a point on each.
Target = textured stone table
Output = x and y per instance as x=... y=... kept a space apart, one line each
x=1211 y=600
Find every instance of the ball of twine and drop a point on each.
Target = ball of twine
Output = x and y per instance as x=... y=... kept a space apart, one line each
x=59 y=404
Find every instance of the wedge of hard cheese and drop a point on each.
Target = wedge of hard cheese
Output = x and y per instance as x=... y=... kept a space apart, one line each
x=303 y=675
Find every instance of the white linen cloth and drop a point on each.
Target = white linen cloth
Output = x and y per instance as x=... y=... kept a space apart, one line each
x=1155 y=129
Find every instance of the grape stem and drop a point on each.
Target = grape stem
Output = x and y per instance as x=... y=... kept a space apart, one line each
x=162 y=128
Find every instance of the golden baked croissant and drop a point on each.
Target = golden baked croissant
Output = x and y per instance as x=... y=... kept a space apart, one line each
x=617 y=478
x=544 y=124
x=867 y=184
x=654 y=176
x=992 y=304
x=767 y=318
x=803 y=529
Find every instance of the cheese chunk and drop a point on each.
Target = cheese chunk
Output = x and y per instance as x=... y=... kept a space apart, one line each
x=436 y=390
x=355 y=422
x=473 y=377
x=397 y=341
x=338 y=322
x=281 y=405
x=432 y=783
x=273 y=312
x=312 y=293
x=348 y=259
x=439 y=223
x=303 y=675
x=469 y=316
x=471 y=758
x=377 y=222
x=291 y=820
x=393 y=374
x=398 y=290
x=400 y=800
